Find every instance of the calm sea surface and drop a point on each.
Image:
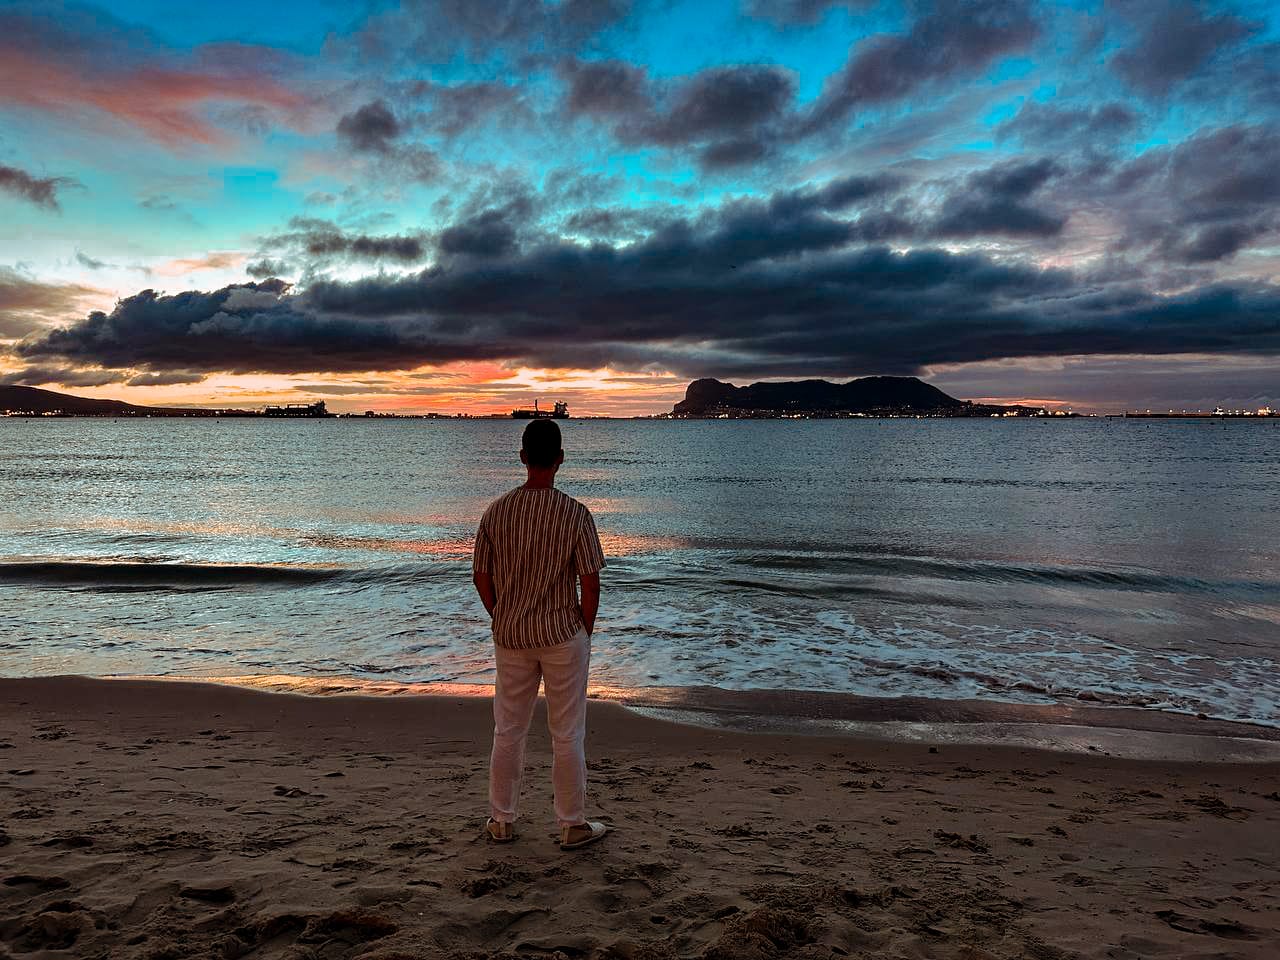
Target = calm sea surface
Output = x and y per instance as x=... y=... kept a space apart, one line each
x=1117 y=562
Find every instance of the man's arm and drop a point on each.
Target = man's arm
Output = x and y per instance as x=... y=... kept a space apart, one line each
x=489 y=597
x=590 y=599
x=482 y=567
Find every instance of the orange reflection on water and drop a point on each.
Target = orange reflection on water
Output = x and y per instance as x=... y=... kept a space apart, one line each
x=616 y=544
x=208 y=527
x=449 y=547
x=629 y=544
x=338 y=686
x=603 y=506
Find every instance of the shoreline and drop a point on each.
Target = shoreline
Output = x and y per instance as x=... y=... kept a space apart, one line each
x=157 y=820
x=1127 y=732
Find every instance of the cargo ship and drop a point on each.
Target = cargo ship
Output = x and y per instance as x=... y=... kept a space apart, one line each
x=316 y=409
x=559 y=412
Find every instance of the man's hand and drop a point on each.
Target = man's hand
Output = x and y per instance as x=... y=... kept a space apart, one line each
x=484 y=587
x=590 y=599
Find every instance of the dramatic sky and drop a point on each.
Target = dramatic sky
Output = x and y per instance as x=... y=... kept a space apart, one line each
x=463 y=204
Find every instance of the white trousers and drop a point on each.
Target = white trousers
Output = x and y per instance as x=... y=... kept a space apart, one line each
x=562 y=669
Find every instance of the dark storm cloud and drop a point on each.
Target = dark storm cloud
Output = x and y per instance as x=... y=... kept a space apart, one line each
x=582 y=18
x=769 y=285
x=488 y=234
x=739 y=115
x=167 y=379
x=337 y=389
x=609 y=88
x=252 y=327
x=719 y=102
x=1219 y=241
x=374 y=130
x=612 y=223
x=1174 y=40
x=511 y=196
x=359 y=247
x=491 y=220
x=414 y=163
x=733 y=153
x=266 y=267
x=950 y=40
x=965 y=217
x=449 y=111
x=788 y=13
x=489 y=23
x=995 y=202
x=525 y=30
x=1015 y=179
x=734 y=112
x=42 y=191
x=1200 y=201
x=840 y=193
x=371 y=128
x=1253 y=74
x=313 y=238
x=1083 y=127
x=566 y=187
x=66 y=376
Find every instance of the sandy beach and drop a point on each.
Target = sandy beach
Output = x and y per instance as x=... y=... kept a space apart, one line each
x=170 y=820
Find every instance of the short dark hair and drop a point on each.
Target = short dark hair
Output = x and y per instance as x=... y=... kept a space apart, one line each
x=541 y=443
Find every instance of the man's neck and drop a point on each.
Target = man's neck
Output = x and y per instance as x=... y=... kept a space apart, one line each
x=540 y=480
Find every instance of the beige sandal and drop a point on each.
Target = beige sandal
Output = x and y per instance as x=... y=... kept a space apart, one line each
x=498 y=832
x=571 y=838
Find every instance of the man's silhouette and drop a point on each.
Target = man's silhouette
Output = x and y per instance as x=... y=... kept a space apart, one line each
x=533 y=543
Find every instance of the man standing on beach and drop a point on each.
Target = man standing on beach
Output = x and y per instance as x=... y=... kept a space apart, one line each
x=533 y=542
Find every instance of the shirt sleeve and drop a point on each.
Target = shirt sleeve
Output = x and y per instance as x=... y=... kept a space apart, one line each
x=482 y=555
x=588 y=555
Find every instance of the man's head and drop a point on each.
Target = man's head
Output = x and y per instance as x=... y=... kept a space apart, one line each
x=540 y=445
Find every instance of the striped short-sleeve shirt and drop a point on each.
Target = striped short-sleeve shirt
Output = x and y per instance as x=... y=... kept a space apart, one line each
x=535 y=541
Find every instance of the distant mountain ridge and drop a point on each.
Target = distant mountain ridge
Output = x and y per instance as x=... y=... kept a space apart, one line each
x=864 y=395
x=35 y=400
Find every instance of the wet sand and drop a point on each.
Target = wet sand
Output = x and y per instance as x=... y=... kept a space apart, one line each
x=170 y=820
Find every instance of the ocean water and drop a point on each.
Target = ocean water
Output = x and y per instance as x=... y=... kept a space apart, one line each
x=1131 y=562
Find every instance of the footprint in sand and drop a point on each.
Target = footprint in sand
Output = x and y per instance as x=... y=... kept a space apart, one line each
x=57 y=927
x=1213 y=804
x=40 y=883
x=1226 y=929
x=68 y=842
x=209 y=894
x=973 y=842
x=348 y=927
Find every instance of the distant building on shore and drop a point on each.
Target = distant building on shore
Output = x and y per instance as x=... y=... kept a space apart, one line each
x=316 y=409
x=1218 y=413
x=559 y=412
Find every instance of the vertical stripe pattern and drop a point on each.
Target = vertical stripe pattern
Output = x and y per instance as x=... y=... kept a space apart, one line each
x=535 y=542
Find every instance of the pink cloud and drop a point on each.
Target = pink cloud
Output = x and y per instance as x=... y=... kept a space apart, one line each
x=163 y=103
x=217 y=260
